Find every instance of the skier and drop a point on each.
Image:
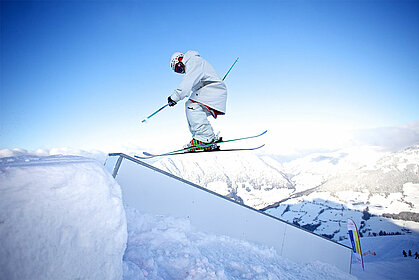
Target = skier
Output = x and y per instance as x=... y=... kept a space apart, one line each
x=404 y=254
x=208 y=96
x=416 y=255
x=410 y=253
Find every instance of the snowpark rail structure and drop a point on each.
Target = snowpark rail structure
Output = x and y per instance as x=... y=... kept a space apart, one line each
x=154 y=191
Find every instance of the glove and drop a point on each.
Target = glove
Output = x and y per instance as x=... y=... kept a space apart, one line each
x=171 y=102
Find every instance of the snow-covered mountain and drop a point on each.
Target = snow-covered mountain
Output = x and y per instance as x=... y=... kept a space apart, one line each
x=319 y=191
x=241 y=176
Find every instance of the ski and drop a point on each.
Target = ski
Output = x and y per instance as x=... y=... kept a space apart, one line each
x=148 y=155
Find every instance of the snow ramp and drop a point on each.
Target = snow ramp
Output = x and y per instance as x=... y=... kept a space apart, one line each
x=61 y=217
x=151 y=190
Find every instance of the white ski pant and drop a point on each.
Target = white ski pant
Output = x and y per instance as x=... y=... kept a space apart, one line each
x=199 y=126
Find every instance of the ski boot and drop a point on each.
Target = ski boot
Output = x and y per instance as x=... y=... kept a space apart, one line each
x=194 y=142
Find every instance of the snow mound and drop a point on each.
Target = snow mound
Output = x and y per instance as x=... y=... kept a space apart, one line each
x=61 y=217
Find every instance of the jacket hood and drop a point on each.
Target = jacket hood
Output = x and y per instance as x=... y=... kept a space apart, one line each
x=189 y=54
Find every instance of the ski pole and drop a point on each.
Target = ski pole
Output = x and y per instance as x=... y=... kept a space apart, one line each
x=230 y=69
x=143 y=121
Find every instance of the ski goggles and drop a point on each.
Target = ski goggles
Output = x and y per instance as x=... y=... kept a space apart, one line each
x=179 y=67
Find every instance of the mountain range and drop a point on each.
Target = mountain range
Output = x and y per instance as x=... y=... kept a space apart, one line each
x=377 y=188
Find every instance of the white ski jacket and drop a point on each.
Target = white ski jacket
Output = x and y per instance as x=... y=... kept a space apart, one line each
x=206 y=86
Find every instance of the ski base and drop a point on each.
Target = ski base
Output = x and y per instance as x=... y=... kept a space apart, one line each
x=148 y=155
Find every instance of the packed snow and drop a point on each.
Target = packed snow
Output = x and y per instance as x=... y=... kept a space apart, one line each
x=61 y=217
x=161 y=247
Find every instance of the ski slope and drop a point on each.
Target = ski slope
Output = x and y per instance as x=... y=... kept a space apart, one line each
x=389 y=262
x=62 y=217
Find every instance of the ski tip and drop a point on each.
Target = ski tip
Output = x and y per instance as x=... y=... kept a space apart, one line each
x=140 y=157
x=257 y=148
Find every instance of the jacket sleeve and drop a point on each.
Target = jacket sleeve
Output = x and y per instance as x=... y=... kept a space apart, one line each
x=192 y=77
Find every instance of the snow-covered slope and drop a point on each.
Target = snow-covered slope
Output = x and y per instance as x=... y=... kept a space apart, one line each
x=319 y=191
x=364 y=184
x=50 y=207
x=242 y=176
x=61 y=217
x=388 y=261
x=258 y=180
x=388 y=174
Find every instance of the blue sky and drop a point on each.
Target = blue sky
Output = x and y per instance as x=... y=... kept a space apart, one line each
x=83 y=74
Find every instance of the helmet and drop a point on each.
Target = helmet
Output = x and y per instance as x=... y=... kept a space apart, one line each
x=176 y=62
x=176 y=57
